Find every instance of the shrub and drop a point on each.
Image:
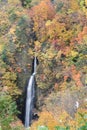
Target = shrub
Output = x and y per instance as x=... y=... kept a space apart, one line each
x=84 y=127
x=8 y=109
x=26 y=3
x=61 y=128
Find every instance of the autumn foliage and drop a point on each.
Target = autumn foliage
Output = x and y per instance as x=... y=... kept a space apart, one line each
x=54 y=31
x=59 y=36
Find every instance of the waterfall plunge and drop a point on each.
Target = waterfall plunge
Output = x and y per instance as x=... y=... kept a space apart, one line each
x=30 y=97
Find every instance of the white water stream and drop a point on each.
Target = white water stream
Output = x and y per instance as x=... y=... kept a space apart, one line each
x=30 y=96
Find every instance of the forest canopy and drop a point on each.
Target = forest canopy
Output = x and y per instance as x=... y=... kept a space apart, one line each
x=56 y=32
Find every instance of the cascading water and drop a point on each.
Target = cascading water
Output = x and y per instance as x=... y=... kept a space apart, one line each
x=30 y=97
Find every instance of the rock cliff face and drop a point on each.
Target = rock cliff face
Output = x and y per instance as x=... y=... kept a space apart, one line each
x=68 y=100
x=24 y=61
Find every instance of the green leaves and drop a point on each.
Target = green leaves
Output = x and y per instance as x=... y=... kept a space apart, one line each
x=61 y=128
x=56 y=128
x=83 y=127
x=42 y=128
x=8 y=109
x=27 y=3
x=0 y=128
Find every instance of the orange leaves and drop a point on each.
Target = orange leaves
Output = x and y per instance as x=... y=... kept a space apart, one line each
x=40 y=14
x=76 y=76
x=42 y=11
x=85 y=30
x=46 y=119
x=73 y=69
x=56 y=41
x=66 y=50
x=82 y=35
x=74 y=5
x=18 y=69
x=65 y=77
x=56 y=86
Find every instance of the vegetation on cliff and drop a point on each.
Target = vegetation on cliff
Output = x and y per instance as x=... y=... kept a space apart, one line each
x=56 y=32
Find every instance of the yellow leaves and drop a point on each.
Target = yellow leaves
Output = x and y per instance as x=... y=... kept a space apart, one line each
x=86 y=2
x=31 y=52
x=12 y=30
x=14 y=39
x=67 y=35
x=1 y=48
x=37 y=45
x=74 y=5
x=9 y=85
x=47 y=71
x=58 y=75
x=74 y=53
x=63 y=118
x=70 y=11
x=50 y=54
x=45 y=119
x=48 y=23
x=14 y=2
x=58 y=30
x=10 y=76
x=4 y=21
x=79 y=116
x=18 y=13
x=83 y=4
x=58 y=54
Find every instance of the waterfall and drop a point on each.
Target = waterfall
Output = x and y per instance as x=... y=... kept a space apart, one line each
x=30 y=97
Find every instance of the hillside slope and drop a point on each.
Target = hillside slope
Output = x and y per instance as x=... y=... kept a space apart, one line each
x=56 y=32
